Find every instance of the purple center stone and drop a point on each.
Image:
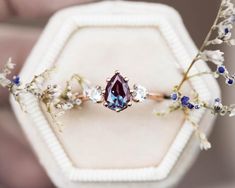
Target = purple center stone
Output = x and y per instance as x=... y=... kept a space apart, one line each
x=117 y=93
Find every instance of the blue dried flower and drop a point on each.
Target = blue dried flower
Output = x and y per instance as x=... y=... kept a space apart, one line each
x=190 y=106
x=16 y=80
x=174 y=96
x=185 y=100
x=229 y=81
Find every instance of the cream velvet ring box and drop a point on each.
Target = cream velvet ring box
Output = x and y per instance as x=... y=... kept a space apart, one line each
x=99 y=147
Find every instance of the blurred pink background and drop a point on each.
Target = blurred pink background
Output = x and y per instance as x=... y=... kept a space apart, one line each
x=20 y=26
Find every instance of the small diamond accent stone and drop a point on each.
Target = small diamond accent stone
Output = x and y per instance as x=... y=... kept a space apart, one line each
x=139 y=94
x=95 y=94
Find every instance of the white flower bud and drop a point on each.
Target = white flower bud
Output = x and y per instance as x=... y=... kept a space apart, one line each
x=10 y=65
x=4 y=81
x=216 y=56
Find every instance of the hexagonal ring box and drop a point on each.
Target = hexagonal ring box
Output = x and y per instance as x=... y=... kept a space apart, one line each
x=147 y=43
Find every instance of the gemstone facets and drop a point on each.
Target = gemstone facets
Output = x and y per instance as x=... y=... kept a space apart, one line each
x=117 y=93
x=139 y=93
x=95 y=94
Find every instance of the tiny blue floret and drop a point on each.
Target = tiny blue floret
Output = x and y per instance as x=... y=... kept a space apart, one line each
x=230 y=81
x=221 y=69
x=190 y=106
x=217 y=100
x=16 y=80
x=226 y=31
x=184 y=100
x=174 y=96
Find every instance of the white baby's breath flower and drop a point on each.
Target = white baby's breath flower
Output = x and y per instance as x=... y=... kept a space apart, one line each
x=232 y=110
x=231 y=42
x=59 y=114
x=225 y=2
x=204 y=143
x=224 y=31
x=9 y=64
x=227 y=12
x=39 y=80
x=78 y=102
x=67 y=106
x=215 y=41
x=216 y=56
x=232 y=18
x=17 y=91
x=4 y=81
x=54 y=92
x=232 y=114
x=69 y=95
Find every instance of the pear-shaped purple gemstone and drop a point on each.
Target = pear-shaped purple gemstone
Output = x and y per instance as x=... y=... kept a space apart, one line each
x=117 y=93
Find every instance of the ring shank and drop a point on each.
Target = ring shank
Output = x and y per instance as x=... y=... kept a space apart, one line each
x=151 y=96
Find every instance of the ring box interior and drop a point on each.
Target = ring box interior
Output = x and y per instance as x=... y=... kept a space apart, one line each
x=147 y=43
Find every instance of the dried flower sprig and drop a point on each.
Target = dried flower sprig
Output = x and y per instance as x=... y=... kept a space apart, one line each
x=221 y=28
x=58 y=101
x=14 y=84
x=204 y=143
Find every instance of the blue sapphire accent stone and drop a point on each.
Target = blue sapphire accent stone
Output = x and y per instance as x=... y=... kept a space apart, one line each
x=117 y=93
x=185 y=100
x=16 y=80
x=221 y=69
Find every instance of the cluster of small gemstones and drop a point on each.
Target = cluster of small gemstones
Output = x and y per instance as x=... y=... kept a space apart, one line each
x=184 y=101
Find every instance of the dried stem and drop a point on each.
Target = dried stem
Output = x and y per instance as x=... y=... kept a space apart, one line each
x=204 y=45
x=200 y=74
